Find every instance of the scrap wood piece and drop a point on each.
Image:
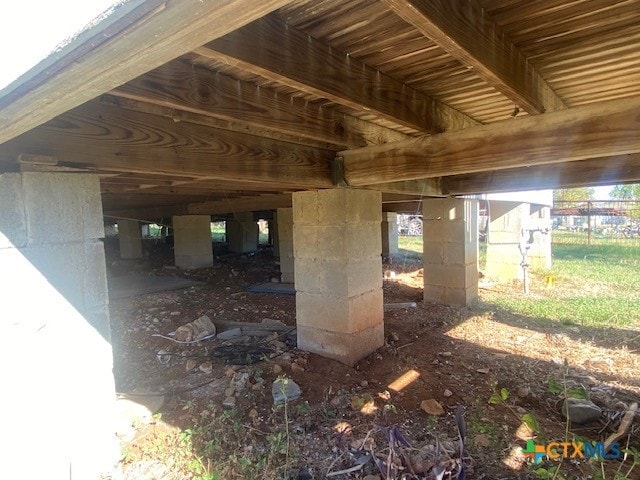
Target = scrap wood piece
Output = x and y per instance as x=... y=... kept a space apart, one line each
x=626 y=422
x=399 y=306
x=255 y=329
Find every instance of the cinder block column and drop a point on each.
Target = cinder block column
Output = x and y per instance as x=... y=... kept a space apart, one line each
x=338 y=272
x=540 y=250
x=506 y=220
x=129 y=239
x=273 y=233
x=450 y=250
x=192 y=241
x=285 y=244
x=55 y=341
x=242 y=233
x=389 y=234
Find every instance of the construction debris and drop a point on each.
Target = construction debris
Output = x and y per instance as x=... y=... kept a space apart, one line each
x=197 y=330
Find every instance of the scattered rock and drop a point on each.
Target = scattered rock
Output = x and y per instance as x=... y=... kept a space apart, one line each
x=275 y=280
x=239 y=381
x=206 y=367
x=229 y=372
x=229 y=402
x=364 y=383
x=580 y=410
x=432 y=407
x=163 y=357
x=523 y=391
x=197 y=330
x=276 y=369
x=229 y=334
x=285 y=390
x=175 y=314
x=372 y=477
x=482 y=440
x=191 y=364
x=297 y=368
x=253 y=413
x=448 y=393
x=445 y=354
x=229 y=392
x=482 y=370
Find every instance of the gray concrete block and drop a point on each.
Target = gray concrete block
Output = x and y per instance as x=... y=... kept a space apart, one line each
x=339 y=313
x=337 y=277
x=343 y=347
x=192 y=241
x=305 y=207
x=130 y=239
x=13 y=222
x=95 y=276
x=73 y=210
x=285 y=223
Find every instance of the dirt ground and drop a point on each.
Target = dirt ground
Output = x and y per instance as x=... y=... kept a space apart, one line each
x=456 y=356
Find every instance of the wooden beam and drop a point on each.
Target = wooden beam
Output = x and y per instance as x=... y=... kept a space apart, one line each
x=598 y=130
x=247 y=204
x=271 y=49
x=147 y=213
x=423 y=187
x=200 y=91
x=593 y=172
x=138 y=37
x=467 y=33
x=108 y=138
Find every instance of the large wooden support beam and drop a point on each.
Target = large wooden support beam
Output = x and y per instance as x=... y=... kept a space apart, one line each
x=271 y=49
x=235 y=205
x=466 y=32
x=599 y=130
x=198 y=90
x=598 y=171
x=424 y=187
x=138 y=36
x=108 y=138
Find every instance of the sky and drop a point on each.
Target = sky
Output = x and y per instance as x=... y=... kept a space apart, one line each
x=31 y=29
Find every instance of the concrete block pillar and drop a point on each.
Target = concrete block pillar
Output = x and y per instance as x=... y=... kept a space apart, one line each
x=285 y=244
x=506 y=220
x=192 y=241
x=242 y=233
x=540 y=250
x=450 y=250
x=389 y=229
x=55 y=344
x=130 y=239
x=338 y=272
x=273 y=233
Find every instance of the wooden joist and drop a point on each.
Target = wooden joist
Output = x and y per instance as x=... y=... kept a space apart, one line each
x=103 y=137
x=593 y=172
x=272 y=50
x=186 y=88
x=138 y=37
x=247 y=204
x=600 y=130
x=471 y=36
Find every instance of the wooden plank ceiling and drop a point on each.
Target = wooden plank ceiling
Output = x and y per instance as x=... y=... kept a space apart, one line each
x=414 y=97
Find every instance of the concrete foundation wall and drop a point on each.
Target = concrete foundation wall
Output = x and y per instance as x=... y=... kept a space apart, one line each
x=130 y=239
x=389 y=229
x=338 y=278
x=450 y=250
x=506 y=220
x=540 y=251
x=192 y=246
x=54 y=332
x=242 y=233
x=284 y=218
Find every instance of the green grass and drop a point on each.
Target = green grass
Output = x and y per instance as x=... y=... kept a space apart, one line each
x=596 y=285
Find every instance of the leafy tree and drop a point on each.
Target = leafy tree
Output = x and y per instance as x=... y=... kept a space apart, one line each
x=573 y=194
x=626 y=192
